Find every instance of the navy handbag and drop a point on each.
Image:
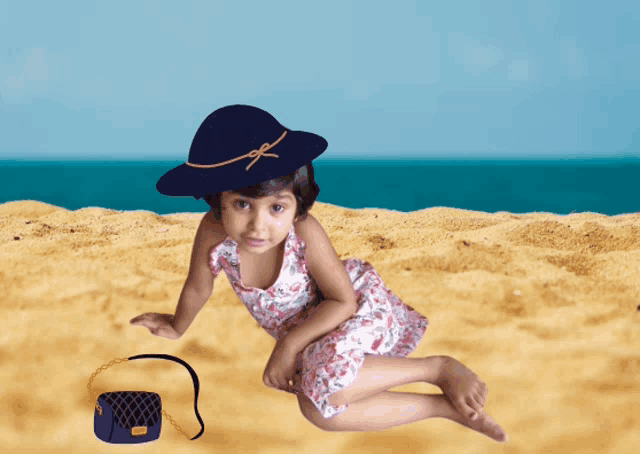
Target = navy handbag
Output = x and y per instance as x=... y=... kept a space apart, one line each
x=128 y=417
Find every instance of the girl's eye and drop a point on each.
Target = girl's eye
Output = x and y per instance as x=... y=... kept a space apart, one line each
x=243 y=201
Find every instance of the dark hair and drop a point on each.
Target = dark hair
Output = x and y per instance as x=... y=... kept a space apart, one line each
x=300 y=181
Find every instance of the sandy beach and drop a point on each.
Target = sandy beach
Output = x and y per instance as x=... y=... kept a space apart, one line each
x=544 y=308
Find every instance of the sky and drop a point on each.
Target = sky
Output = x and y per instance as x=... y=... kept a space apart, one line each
x=133 y=79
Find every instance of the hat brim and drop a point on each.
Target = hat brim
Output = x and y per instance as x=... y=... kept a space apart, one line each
x=297 y=149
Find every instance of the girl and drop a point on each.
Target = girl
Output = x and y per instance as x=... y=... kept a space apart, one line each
x=342 y=336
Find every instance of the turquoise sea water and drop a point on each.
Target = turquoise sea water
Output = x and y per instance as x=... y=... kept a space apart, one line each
x=606 y=186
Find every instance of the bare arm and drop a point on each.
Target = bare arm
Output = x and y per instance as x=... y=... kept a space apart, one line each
x=189 y=305
x=322 y=319
x=333 y=281
x=198 y=286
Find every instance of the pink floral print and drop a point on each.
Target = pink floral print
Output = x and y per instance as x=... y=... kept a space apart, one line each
x=382 y=325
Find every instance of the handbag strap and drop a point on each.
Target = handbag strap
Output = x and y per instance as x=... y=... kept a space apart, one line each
x=196 y=384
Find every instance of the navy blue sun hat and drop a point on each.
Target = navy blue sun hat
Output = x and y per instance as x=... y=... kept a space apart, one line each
x=239 y=146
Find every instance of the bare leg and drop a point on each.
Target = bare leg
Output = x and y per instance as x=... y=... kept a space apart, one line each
x=389 y=409
x=380 y=373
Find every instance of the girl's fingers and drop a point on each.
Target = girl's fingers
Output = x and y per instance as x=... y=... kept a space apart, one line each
x=282 y=385
x=142 y=319
x=157 y=324
x=153 y=327
x=138 y=319
x=276 y=383
x=141 y=322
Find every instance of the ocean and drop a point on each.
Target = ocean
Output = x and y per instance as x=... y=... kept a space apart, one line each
x=563 y=186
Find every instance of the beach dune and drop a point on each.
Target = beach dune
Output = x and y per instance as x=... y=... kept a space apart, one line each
x=543 y=307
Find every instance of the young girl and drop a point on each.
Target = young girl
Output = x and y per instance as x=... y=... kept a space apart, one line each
x=342 y=336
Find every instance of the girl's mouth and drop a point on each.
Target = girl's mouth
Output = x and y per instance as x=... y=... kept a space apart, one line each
x=255 y=243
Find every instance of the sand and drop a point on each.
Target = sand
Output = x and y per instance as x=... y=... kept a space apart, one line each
x=544 y=308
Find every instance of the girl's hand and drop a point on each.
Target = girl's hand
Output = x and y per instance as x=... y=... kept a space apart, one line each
x=159 y=324
x=281 y=367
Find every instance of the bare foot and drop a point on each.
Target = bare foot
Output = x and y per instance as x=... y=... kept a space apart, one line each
x=465 y=390
x=482 y=424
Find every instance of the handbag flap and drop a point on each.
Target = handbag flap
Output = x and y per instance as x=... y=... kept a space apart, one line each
x=134 y=408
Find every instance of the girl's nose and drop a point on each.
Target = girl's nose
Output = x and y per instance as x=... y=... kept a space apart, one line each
x=258 y=222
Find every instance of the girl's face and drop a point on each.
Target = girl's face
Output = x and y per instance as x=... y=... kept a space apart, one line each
x=266 y=218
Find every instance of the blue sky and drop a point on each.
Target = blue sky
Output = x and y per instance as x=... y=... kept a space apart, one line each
x=419 y=79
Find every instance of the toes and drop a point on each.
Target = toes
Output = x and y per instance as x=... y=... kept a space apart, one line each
x=463 y=408
x=471 y=407
x=476 y=406
x=466 y=408
x=483 y=391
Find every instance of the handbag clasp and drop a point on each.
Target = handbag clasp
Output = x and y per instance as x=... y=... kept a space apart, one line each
x=138 y=431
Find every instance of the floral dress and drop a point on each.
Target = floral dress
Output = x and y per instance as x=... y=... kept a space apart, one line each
x=382 y=325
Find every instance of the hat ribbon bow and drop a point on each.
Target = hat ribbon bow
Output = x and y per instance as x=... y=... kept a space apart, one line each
x=257 y=154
